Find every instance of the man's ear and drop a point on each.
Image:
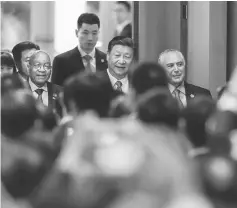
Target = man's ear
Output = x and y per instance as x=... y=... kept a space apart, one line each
x=28 y=66
x=107 y=56
x=76 y=32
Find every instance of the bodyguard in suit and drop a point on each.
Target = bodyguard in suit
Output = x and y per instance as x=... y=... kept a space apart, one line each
x=45 y=92
x=174 y=64
x=84 y=57
x=120 y=57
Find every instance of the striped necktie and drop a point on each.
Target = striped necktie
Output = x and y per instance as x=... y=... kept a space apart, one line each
x=118 y=86
x=88 y=59
x=39 y=92
x=176 y=94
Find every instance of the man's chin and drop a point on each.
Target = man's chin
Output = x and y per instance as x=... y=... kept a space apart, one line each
x=177 y=82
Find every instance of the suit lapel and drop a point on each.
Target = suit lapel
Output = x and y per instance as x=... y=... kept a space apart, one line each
x=77 y=60
x=50 y=94
x=100 y=61
x=188 y=91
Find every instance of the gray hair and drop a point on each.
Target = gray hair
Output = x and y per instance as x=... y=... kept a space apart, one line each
x=36 y=52
x=162 y=55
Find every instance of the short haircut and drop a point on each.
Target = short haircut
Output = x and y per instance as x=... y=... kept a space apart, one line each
x=19 y=48
x=88 y=18
x=7 y=60
x=120 y=40
x=35 y=54
x=196 y=114
x=157 y=106
x=125 y=3
x=162 y=55
x=19 y=112
x=11 y=82
x=89 y=92
x=148 y=75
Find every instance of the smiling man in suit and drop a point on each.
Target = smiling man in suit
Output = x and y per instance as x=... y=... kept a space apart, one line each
x=46 y=93
x=84 y=57
x=120 y=57
x=174 y=64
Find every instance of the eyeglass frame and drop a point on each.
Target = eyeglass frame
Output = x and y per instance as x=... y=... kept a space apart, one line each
x=40 y=65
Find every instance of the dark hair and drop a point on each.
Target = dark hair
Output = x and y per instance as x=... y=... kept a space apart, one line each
x=120 y=40
x=196 y=115
x=48 y=119
x=11 y=82
x=18 y=109
x=7 y=60
x=126 y=4
x=19 y=48
x=148 y=75
x=89 y=92
x=120 y=107
x=88 y=18
x=157 y=106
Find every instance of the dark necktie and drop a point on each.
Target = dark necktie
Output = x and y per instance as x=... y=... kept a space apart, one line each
x=39 y=98
x=176 y=93
x=88 y=58
x=118 y=86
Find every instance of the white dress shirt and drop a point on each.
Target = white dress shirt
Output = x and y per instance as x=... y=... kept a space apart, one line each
x=44 y=94
x=182 y=94
x=124 y=81
x=92 y=61
x=120 y=27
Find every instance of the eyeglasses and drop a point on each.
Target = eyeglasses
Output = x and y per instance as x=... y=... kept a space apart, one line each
x=46 y=66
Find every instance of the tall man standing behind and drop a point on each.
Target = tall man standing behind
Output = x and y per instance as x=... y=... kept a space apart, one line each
x=174 y=64
x=120 y=57
x=84 y=57
x=124 y=26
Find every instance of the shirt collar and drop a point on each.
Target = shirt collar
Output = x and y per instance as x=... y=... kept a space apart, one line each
x=34 y=87
x=181 y=88
x=122 y=25
x=83 y=53
x=114 y=80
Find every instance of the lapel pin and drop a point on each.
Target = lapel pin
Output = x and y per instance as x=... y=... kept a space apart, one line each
x=192 y=96
x=102 y=60
x=54 y=96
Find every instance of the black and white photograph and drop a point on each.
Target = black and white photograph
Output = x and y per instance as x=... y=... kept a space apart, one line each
x=118 y=104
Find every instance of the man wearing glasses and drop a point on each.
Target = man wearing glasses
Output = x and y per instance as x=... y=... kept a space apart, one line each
x=45 y=92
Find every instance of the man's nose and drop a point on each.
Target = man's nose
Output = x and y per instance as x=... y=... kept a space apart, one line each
x=41 y=68
x=122 y=60
x=176 y=68
x=89 y=36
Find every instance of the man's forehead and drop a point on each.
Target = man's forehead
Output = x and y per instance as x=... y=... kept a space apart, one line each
x=172 y=57
x=122 y=48
x=90 y=27
x=41 y=55
x=28 y=52
x=119 y=7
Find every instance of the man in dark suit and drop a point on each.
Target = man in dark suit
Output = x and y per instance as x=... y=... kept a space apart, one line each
x=174 y=64
x=120 y=58
x=21 y=53
x=124 y=27
x=84 y=57
x=46 y=93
